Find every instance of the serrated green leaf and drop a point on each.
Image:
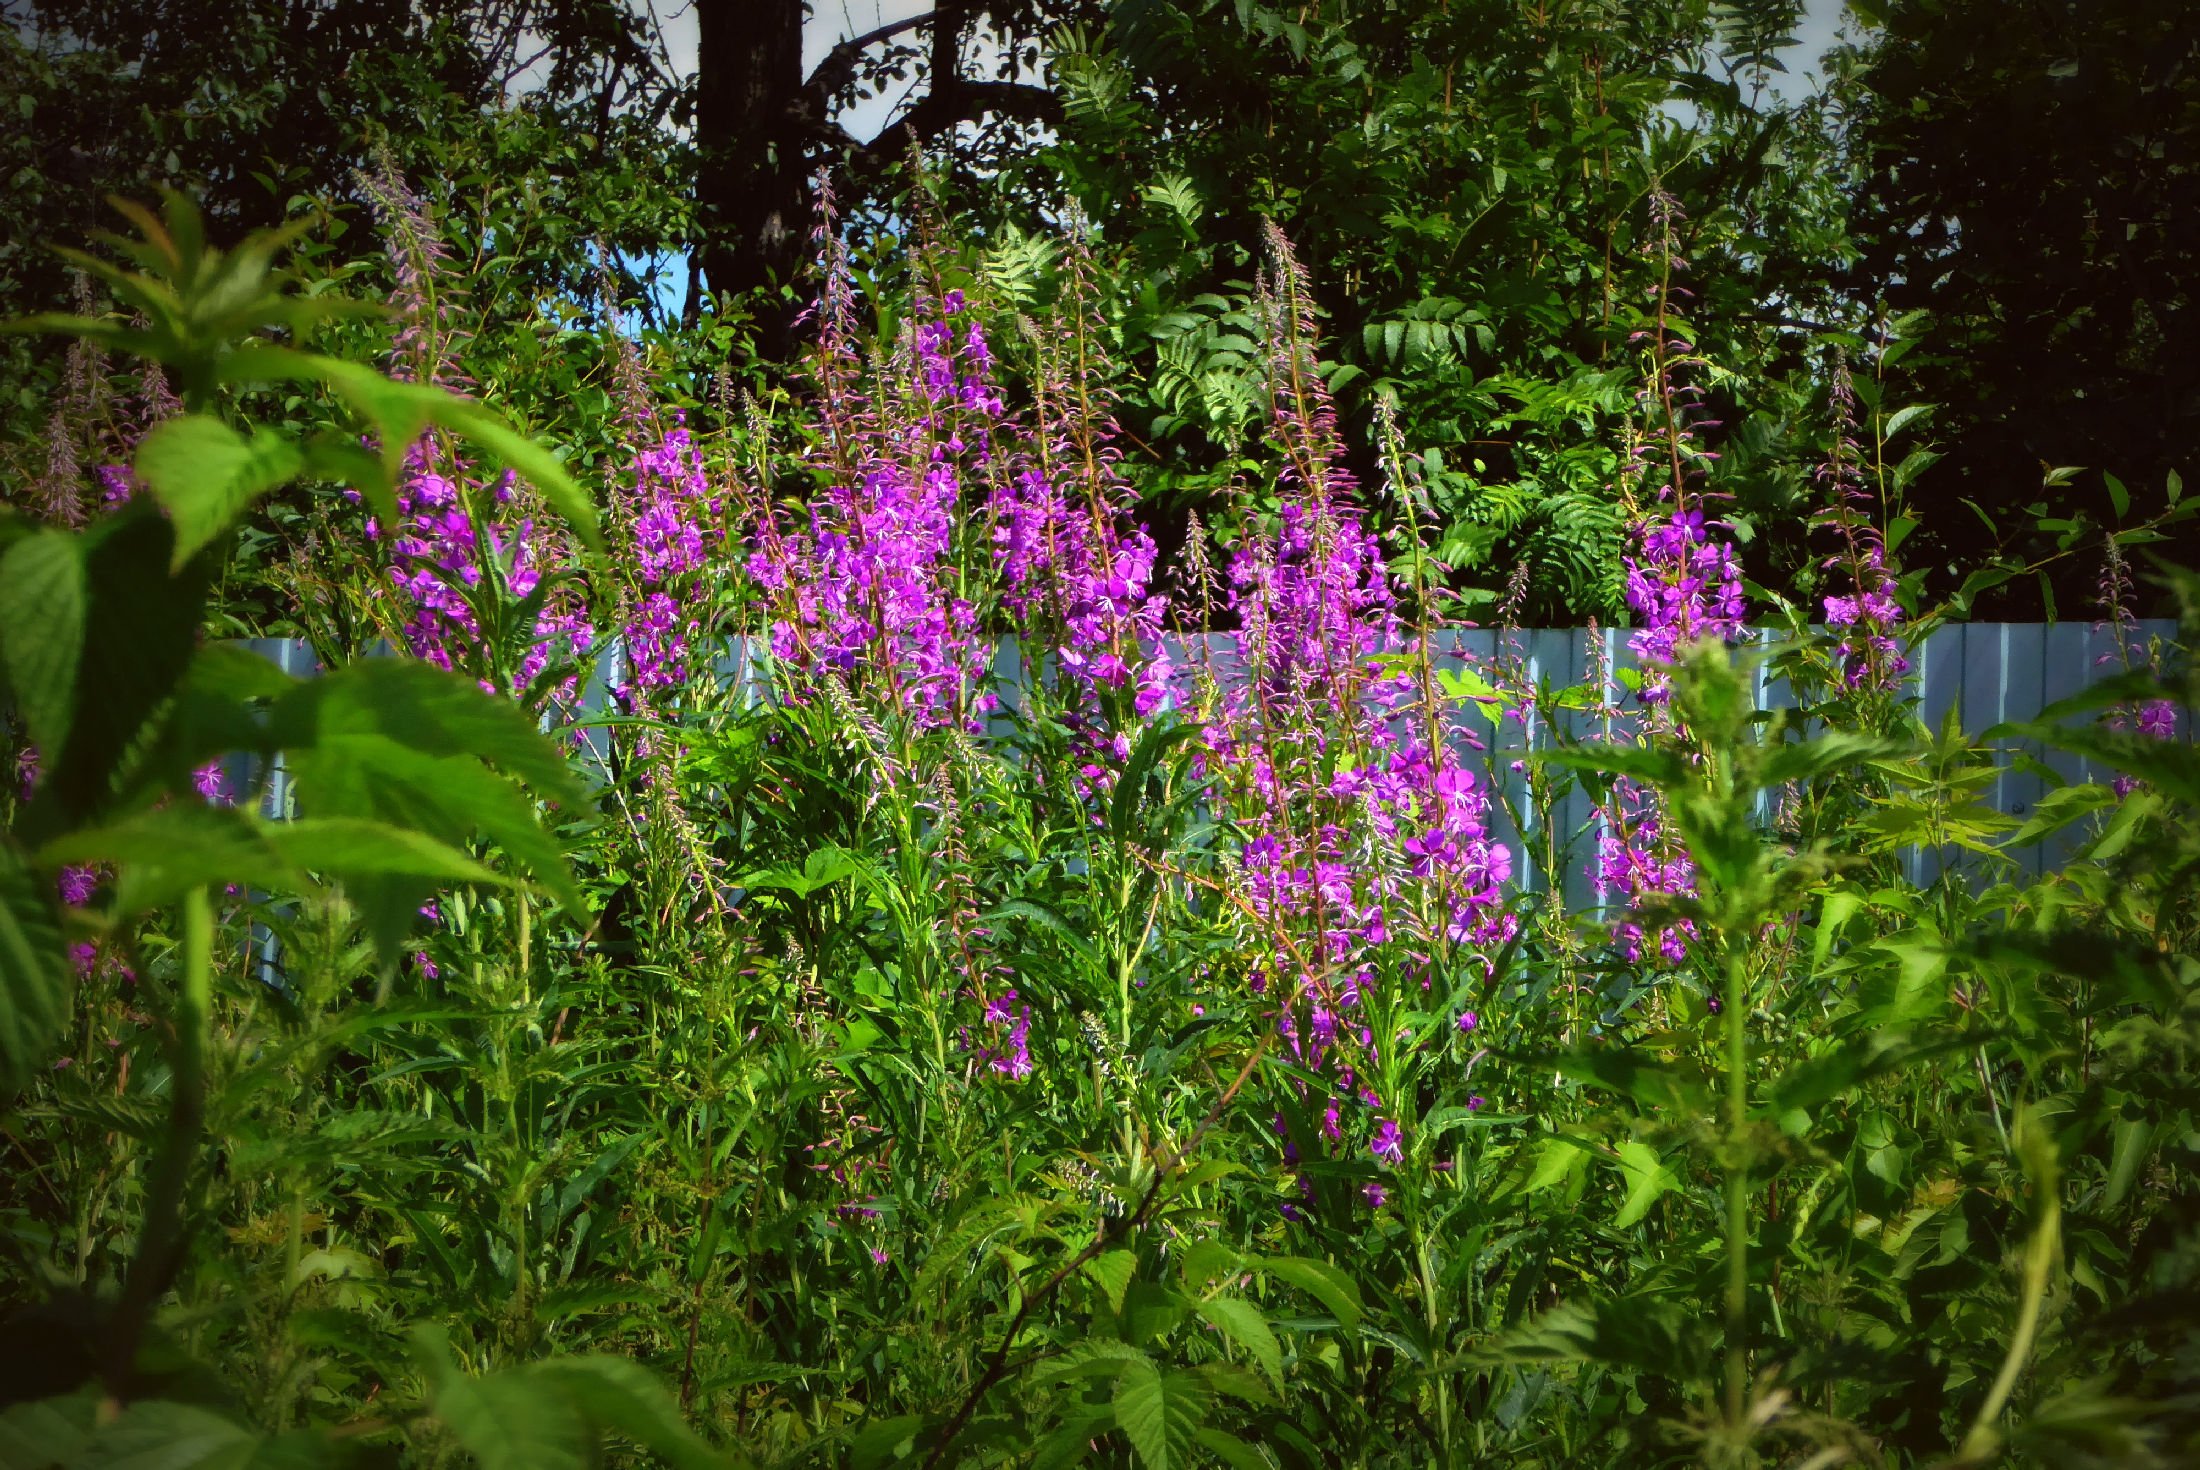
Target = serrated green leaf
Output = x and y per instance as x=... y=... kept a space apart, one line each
x=44 y=603
x=622 y=1397
x=156 y=1434
x=34 y=972
x=1159 y=1413
x=514 y=1420
x=401 y=411
x=1648 y=1177
x=47 y=1434
x=1232 y=1451
x=1113 y=1271
x=1324 y=1282
x=207 y=474
x=1242 y=1323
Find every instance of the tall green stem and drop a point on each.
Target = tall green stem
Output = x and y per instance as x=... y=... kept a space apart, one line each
x=1737 y=1180
x=162 y=1237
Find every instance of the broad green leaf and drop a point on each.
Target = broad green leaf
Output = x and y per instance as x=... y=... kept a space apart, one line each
x=47 y=1434
x=140 y=634
x=1113 y=1271
x=207 y=474
x=433 y=711
x=1657 y=767
x=1232 y=1451
x=1812 y=758
x=34 y=971
x=1558 y=1159
x=1095 y=1357
x=1240 y=1321
x=45 y=601
x=1902 y=418
x=386 y=871
x=169 y=851
x=1648 y=1177
x=1840 y=905
x=1130 y=787
x=1324 y=1282
x=1159 y=1413
x=330 y=457
x=1916 y=986
x=1680 y=1085
x=446 y=798
x=1080 y=944
x=2118 y=495
x=348 y=847
x=401 y=411
x=2059 y=808
x=620 y=1395
x=885 y=1441
x=515 y=1420
x=156 y=1434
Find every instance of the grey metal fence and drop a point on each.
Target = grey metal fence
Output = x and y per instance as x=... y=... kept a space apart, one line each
x=1990 y=673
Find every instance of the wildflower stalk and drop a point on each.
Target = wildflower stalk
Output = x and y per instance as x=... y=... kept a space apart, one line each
x=162 y=1237
x=1736 y=1006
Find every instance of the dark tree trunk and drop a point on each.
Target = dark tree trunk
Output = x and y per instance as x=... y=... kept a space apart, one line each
x=752 y=192
x=762 y=127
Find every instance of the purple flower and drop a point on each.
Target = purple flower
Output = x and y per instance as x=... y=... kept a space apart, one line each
x=1387 y=1144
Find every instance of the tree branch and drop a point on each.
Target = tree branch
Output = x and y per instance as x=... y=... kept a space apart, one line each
x=959 y=102
x=838 y=67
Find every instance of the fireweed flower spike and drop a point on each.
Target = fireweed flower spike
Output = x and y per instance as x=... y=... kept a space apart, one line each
x=1867 y=616
x=1683 y=583
x=455 y=532
x=869 y=590
x=2156 y=719
x=1362 y=824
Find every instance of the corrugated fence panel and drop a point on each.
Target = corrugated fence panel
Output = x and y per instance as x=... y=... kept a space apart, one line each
x=1988 y=673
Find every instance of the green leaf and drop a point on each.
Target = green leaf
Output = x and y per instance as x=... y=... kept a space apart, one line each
x=347 y=847
x=34 y=972
x=1113 y=1271
x=155 y=1434
x=1159 y=1413
x=1812 y=758
x=1095 y=1357
x=169 y=851
x=331 y=457
x=1660 y=768
x=2118 y=496
x=1080 y=944
x=1680 y=1085
x=446 y=798
x=2059 y=808
x=623 y=1397
x=431 y=710
x=1130 y=788
x=139 y=637
x=47 y=1434
x=1241 y=1322
x=514 y=1420
x=1232 y=1451
x=401 y=411
x=1648 y=1177
x=44 y=602
x=1324 y=1282
x=885 y=1441
x=208 y=474
x=1902 y=418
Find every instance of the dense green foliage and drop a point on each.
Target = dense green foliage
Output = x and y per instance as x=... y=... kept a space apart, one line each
x=664 y=988
x=2007 y=204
